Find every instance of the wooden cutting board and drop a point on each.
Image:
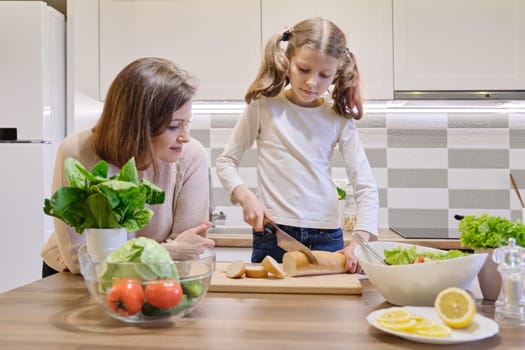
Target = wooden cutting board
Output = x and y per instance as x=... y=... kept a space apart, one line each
x=319 y=284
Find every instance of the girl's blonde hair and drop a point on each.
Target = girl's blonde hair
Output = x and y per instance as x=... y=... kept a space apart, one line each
x=139 y=106
x=324 y=36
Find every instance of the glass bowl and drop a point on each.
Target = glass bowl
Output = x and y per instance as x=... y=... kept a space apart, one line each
x=141 y=292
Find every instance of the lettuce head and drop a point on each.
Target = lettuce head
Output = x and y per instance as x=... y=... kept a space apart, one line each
x=142 y=258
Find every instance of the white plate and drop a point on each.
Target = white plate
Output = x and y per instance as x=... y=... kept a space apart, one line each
x=481 y=328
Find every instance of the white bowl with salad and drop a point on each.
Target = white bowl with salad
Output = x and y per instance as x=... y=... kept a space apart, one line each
x=417 y=274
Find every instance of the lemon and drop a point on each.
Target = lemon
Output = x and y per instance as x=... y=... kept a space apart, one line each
x=435 y=331
x=455 y=307
x=394 y=315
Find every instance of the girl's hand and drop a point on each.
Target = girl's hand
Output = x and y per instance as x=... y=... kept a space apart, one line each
x=352 y=265
x=253 y=210
x=190 y=243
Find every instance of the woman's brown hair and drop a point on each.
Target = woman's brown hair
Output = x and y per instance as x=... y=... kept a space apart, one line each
x=319 y=34
x=139 y=106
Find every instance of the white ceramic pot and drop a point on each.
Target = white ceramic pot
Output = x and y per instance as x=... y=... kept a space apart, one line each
x=489 y=278
x=101 y=241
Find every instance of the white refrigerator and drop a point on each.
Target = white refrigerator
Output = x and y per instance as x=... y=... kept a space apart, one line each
x=32 y=124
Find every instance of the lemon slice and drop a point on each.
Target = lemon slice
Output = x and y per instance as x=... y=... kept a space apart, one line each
x=418 y=318
x=435 y=331
x=394 y=315
x=424 y=323
x=455 y=307
x=404 y=326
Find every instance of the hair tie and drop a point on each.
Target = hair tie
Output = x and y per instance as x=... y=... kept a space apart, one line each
x=348 y=54
x=286 y=35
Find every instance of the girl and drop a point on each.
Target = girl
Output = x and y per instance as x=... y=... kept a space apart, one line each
x=146 y=115
x=297 y=130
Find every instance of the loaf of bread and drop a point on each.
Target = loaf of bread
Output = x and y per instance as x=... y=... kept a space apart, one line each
x=296 y=263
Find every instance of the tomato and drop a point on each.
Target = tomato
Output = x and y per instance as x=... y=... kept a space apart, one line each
x=163 y=294
x=126 y=296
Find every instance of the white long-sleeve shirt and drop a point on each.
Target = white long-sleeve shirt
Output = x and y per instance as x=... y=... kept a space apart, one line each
x=294 y=148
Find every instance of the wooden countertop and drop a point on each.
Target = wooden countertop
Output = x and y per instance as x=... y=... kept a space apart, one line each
x=57 y=313
x=244 y=240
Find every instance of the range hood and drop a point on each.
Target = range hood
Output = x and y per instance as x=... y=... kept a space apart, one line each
x=500 y=95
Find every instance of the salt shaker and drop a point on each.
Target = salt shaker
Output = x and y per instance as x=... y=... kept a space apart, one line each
x=510 y=306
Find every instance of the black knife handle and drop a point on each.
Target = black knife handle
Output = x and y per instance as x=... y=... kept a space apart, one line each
x=270 y=226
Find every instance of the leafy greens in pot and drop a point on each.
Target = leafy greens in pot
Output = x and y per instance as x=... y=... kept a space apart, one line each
x=486 y=231
x=405 y=256
x=92 y=200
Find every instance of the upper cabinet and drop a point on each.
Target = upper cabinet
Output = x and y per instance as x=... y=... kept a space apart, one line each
x=218 y=42
x=459 y=44
x=400 y=45
x=366 y=23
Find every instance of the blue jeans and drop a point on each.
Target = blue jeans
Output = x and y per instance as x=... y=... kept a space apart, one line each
x=265 y=243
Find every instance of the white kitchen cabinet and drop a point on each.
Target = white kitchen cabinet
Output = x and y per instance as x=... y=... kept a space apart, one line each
x=459 y=44
x=216 y=41
x=366 y=23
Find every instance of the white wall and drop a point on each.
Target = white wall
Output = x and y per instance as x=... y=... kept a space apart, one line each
x=83 y=105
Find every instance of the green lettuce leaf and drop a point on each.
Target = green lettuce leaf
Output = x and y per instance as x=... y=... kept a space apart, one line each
x=404 y=256
x=400 y=256
x=155 y=262
x=486 y=231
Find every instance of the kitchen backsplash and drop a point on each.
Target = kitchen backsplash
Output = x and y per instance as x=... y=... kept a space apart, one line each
x=429 y=164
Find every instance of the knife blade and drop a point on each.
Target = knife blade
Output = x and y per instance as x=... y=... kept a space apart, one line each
x=288 y=243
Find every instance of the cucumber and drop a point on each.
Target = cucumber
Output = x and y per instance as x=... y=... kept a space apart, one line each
x=193 y=289
x=150 y=310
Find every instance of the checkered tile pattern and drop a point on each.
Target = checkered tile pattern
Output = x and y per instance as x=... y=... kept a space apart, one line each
x=429 y=165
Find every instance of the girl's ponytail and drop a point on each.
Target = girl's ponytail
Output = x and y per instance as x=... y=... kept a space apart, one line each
x=347 y=91
x=273 y=72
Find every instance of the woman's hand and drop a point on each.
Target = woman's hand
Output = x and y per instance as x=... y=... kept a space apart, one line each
x=352 y=265
x=253 y=210
x=62 y=267
x=190 y=243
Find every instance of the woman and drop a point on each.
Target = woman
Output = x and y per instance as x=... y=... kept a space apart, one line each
x=146 y=115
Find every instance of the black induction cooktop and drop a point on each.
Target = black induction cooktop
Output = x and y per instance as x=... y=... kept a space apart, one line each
x=426 y=232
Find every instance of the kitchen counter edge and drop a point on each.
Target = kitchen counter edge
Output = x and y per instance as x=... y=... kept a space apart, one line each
x=241 y=237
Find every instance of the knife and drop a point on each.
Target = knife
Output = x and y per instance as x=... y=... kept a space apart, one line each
x=288 y=243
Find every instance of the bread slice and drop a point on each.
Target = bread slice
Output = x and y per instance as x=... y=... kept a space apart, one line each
x=272 y=266
x=236 y=269
x=256 y=271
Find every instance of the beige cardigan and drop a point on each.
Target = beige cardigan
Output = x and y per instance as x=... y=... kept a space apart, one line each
x=185 y=182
